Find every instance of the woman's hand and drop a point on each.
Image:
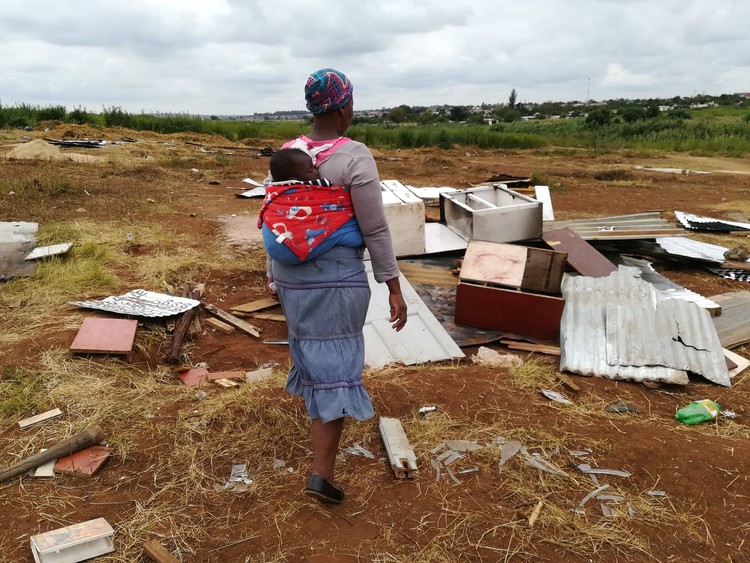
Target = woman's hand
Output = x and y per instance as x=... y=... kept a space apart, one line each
x=271 y=287
x=397 y=304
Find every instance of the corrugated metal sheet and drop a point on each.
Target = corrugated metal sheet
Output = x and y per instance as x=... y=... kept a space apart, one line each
x=616 y=327
x=689 y=248
x=666 y=288
x=620 y=227
x=423 y=339
x=698 y=222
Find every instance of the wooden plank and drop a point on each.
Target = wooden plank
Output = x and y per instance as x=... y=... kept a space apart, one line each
x=157 y=553
x=568 y=383
x=253 y=306
x=105 y=336
x=583 y=257
x=400 y=453
x=740 y=363
x=236 y=322
x=544 y=270
x=26 y=422
x=221 y=326
x=733 y=325
x=531 y=347
x=270 y=317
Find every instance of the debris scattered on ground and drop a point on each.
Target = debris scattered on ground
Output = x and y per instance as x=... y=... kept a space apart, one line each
x=489 y=357
x=556 y=397
x=77 y=542
x=400 y=453
x=105 y=336
x=698 y=411
x=620 y=407
x=26 y=422
x=141 y=303
x=85 y=462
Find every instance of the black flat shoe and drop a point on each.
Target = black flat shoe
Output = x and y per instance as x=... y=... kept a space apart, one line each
x=323 y=490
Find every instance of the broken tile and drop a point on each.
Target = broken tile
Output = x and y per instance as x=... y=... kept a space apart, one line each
x=85 y=462
x=105 y=336
x=194 y=376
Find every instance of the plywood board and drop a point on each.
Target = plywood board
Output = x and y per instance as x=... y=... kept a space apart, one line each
x=582 y=257
x=105 y=336
x=253 y=306
x=733 y=325
x=276 y=317
x=741 y=363
x=221 y=326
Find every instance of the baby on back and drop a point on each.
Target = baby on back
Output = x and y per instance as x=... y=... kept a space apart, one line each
x=303 y=216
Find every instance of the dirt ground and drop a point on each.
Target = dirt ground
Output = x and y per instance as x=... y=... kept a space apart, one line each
x=699 y=512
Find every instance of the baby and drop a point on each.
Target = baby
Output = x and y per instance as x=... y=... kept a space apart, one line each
x=292 y=164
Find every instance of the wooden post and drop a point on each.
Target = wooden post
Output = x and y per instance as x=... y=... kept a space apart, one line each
x=181 y=329
x=67 y=447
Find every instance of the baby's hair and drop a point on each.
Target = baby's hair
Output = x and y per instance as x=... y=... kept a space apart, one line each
x=285 y=164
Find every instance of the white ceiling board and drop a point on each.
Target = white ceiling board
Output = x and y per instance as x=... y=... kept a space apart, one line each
x=422 y=340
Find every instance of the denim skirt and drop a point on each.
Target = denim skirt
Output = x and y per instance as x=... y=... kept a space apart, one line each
x=325 y=303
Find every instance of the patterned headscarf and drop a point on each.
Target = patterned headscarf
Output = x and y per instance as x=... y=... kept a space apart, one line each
x=326 y=90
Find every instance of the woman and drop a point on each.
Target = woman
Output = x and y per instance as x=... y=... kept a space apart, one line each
x=325 y=299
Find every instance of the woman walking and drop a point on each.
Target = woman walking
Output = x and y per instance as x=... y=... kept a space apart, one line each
x=325 y=298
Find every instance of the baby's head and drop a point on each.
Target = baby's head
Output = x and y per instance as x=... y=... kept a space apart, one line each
x=292 y=164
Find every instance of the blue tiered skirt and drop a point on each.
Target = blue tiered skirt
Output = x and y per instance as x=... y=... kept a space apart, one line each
x=325 y=303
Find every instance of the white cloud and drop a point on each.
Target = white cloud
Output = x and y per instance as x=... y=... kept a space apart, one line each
x=243 y=56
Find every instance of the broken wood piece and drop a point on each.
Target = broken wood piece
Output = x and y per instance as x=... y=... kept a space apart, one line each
x=226 y=382
x=183 y=327
x=531 y=347
x=400 y=453
x=221 y=326
x=232 y=320
x=26 y=422
x=740 y=362
x=535 y=513
x=76 y=542
x=157 y=553
x=582 y=257
x=66 y=447
x=568 y=383
x=83 y=463
x=734 y=265
x=270 y=317
x=225 y=375
x=253 y=306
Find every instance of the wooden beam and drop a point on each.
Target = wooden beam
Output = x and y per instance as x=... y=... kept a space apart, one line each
x=157 y=553
x=232 y=320
x=26 y=422
x=400 y=453
x=253 y=306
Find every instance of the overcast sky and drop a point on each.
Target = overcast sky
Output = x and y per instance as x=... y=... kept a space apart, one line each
x=246 y=56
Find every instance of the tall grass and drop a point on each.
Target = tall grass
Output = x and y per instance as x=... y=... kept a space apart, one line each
x=713 y=130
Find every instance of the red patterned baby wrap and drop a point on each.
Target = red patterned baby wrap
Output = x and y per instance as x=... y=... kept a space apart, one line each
x=303 y=214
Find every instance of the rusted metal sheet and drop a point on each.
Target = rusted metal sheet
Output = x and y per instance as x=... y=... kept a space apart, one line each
x=583 y=257
x=516 y=312
x=617 y=327
x=423 y=339
x=668 y=289
x=620 y=227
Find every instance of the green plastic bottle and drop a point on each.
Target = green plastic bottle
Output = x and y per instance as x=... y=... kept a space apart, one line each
x=698 y=411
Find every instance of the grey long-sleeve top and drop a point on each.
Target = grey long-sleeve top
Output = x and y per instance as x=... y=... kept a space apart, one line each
x=352 y=165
